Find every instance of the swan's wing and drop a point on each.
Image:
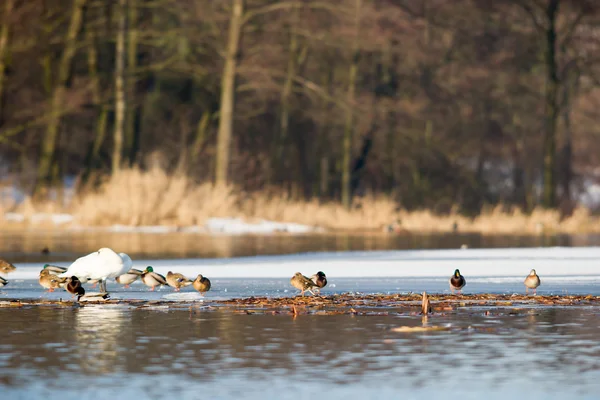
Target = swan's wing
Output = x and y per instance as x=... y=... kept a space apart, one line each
x=84 y=266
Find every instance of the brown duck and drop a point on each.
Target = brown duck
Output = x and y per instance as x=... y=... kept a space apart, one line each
x=177 y=280
x=302 y=283
x=6 y=267
x=50 y=281
x=201 y=284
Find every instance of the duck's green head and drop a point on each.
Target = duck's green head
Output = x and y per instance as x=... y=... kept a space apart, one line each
x=46 y=266
x=456 y=273
x=321 y=274
x=149 y=269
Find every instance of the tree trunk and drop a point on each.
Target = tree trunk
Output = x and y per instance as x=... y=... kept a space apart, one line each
x=567 y=150
x=201 y=133
x=349 y=127
x=228 y=94
x=551 y=107
x=92 y=156
x=131 y=127
x=286 y=92
x=4 y=32
x=120 y=95
x=50 y=138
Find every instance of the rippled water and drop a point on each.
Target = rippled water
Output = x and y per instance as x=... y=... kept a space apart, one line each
x=120 y=352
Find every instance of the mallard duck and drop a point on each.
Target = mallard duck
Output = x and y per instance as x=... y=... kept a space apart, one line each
x=302 y=283
x=153 y=279
x=74 y=287
x=99 y=265
x=3 y=282
x=129 y=277
x=177 y=280
x=532 y=282
x=6 y=267
x=319 y=279
x=51 y=281
x=54 y=269
x=457 y=282
x=201 y=284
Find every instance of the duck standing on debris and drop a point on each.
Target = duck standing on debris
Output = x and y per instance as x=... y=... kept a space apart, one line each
x=177 y=280
x=457 y=282
x=532 y=282
x=302 y=283
x=201 y=284
x=320 y=280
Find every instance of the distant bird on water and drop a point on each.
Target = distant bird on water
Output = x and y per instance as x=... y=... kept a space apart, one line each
x=532 y=282
x=46 y=250
x=457 y=282
x=99 y=265
x=319 y=279
x=3 y=282
x=201 y=284
x=177 y=280
x=6 y=267
x=302 y=283
x=153 y=279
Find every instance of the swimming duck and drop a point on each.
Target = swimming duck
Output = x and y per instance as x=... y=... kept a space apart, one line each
x=532 y=282
x=3 y=282
x=74 y=287
x=6 y=267
x=302 y=283
x=177 y=280
x=99 y=265
x=319 y=279
x=457 y=282
x=201 y=284
x=129 y=277
x=54 y=269
x=51 y=281
x=153 y=279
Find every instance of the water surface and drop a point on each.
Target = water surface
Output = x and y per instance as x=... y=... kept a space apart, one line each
x=120 y=352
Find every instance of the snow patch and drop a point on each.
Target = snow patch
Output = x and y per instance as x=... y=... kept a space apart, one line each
x=238 y=226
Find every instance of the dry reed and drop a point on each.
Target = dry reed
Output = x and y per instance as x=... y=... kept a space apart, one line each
x=134 y=197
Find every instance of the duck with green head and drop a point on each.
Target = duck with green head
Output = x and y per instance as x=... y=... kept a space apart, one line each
x=457 y=282
x=54 y=269
x=153 y=279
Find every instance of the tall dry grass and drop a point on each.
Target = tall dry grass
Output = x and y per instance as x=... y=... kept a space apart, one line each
x=135 y=197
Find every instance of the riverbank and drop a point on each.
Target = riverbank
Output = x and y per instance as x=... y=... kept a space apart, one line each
x=153 y=201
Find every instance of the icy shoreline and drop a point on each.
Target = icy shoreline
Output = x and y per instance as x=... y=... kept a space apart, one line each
x=503 y=263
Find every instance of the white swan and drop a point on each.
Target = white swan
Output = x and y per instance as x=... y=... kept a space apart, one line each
x=99 y=265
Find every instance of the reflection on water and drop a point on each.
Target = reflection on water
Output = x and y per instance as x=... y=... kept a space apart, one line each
x=27 y=246
x=118 y=353
x=97 y=331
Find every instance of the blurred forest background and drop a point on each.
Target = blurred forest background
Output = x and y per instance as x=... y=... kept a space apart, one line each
x=436 y=104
